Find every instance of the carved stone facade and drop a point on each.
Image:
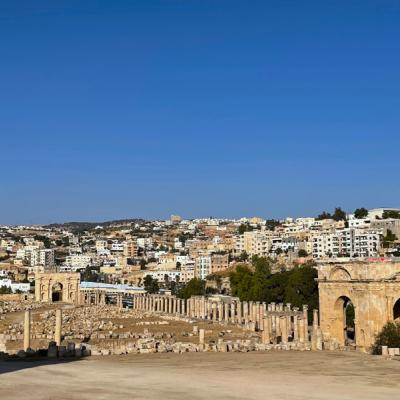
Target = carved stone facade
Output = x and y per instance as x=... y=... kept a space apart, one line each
x=373 y=288
x=53 y=287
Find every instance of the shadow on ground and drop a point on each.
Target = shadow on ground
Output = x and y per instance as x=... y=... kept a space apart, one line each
x=13 y=365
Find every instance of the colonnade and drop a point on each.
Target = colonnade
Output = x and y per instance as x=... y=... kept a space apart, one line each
x=278 y=322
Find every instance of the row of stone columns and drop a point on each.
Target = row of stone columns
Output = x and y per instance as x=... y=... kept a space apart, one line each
x=282 y=319
x=95 y=297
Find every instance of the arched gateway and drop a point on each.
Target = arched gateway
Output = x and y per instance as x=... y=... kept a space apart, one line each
x=54 y=287
x=357 y=299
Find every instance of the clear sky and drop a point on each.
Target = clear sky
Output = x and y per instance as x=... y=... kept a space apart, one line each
x=114 y=109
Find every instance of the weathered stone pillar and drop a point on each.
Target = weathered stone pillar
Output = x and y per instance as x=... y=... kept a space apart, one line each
x=214 y=311
x=209 y=309
x=301 y=330
x=183 y=307
x=305 y=317
x=266 y=333
x=201 y=336
x=261 y=317
x=314 y=332
x=251 y=311
x=233 y=317
x=188 y=311
x=284 y=330
x=246 y=313
x=226 y=312
x=220 y=311
x=239 y=312
x=295 y=329
x=57 y=336
x=319 y=344
x=315 y=320
x=27 y=330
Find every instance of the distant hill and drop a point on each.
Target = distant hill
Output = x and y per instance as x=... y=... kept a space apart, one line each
x=87 y=226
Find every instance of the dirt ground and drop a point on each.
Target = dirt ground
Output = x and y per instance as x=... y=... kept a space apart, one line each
x=232 y=376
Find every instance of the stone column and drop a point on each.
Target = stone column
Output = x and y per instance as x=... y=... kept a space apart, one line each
x=295 y=329
x=257 y=313
x=214 y=311
x=57 y=337
x=226 y=312
x=245 y=313
x=220 y=311
x=315 y=320
x=301 y=330
x=314 y=330
x=251 y=311
x=239 y=312
x=305 y=317
x=233 y=317
x=188 y=307
x=201 y=336
x=266 y=333
x=27 y=330
x=261 y=317
x=284 y=331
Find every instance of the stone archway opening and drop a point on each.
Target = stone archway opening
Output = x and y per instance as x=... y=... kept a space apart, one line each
x=56 y=292
x=396 y=310
x=345 y=314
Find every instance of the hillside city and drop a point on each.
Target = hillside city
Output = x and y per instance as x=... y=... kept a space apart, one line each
x=168 y=255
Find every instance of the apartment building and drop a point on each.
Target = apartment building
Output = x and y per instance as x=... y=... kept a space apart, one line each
x=187 y=271
x=219 y=262
x=130 y=249
x=203 y=267
x=79 y=261
x=164 y=275
x=347 y=242
x=387 y=224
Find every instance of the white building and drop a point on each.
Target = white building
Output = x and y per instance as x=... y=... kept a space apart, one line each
x=78 y=261
x=347 y=242
x=165 y=275
x=203 y=267
x=22 y=287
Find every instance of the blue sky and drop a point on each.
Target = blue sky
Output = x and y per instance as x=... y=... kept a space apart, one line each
x=114 y=109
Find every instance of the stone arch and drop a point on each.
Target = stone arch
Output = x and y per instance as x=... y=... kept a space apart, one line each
x=57 y=292
x=345 y=315
x=340 y=274
x=396 y=310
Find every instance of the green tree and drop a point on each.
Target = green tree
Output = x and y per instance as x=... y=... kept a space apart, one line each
x=302 y=287
x=242 y=282
x=195 y=287
x=302 y=253
x=297 y=286
x=361 y=213
x=150 y=284
x=339 y=215
x=244 y=228
x=271 y=224
x=142 y=263
x=5 y=290
x=391 y=214
x=389 y=238
x=324 y=215
x=88 y=275
x=388 y=336
x=243 y=256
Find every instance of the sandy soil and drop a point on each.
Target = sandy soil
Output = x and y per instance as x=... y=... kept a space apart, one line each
x=263 y=375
